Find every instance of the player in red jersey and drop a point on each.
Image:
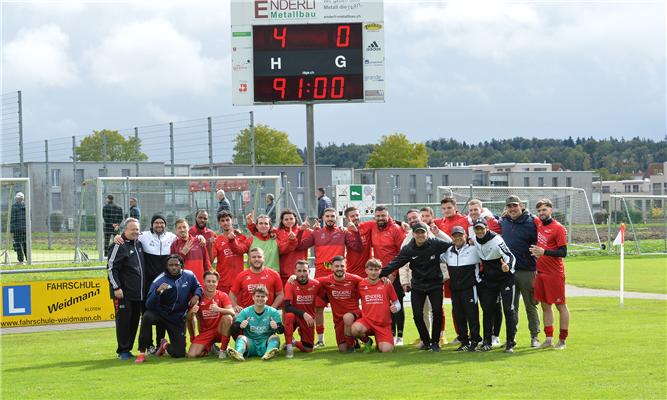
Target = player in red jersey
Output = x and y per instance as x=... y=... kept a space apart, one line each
x=189 y=248
x=257 y=274
x=550 y=280
x=229 y=264
x=378 y=302
x=201 y=220
x=329 y=242
x=215 y=315
x=300 y=299
x=356 y=260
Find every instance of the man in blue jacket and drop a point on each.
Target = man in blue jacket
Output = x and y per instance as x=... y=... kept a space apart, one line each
x=519 y=233
x=170 y=296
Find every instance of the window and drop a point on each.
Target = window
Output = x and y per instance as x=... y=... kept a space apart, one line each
x=554 y=182
x=299 y=179
x=367 y=178
x=605 y=189
x=605 y=204
x=413 y=198
x=429 y=198
x=445 y=180
x=429 y=182
x=525 y=169
x=508 y=169
x=55 y=178
x=79 y=178
x=540 y=182
x=568 y=182
x=526 y=182
x=125 y=172
x=243 y=173
x=413 y=182
x=657 y=203
x=540 y=169
x=55 y=202
x=635 y=188
x=397 y=181
x=656 y=189
x=627 y=188
x=100 y=173
x=397 y=198
x=301 y=201
x=499 y=170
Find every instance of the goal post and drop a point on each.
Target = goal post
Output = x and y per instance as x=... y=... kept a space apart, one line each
x=9 y=187
x=570 y=205
x=175 y=197
x=647 y=217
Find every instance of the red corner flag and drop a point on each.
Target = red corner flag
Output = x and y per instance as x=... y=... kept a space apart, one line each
x=620 y=239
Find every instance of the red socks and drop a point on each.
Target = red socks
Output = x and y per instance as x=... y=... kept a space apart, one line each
x=224 y=343
x=320 y=329
x=349 y=340
x=563 y=334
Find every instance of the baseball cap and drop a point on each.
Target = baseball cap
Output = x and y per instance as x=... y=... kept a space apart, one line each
x=19 y=195
x=512 y=200
x=419 y=226
x=458 y=229
x=478 y=222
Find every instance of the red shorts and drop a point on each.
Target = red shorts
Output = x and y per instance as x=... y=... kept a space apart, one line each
x=339 y=326
x=307 y=332
x=550 y=288
x=381 y=333
x=207 y=338
x=321 y=272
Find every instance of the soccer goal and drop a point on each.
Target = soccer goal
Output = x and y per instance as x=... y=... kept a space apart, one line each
x=11 y=226
x=571 y=208
x=646 y=222
x=175 y=197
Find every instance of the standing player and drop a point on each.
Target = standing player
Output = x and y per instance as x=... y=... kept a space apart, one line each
x=550 y=281
x=260 y=323
x=242 y=291
x=286 y=227
x=200 y=229
x=329 y=242
x=193 y=253
x=356 y=260
x=300 y=309
x=378 y=302
x=215 y=315
x=229 y=264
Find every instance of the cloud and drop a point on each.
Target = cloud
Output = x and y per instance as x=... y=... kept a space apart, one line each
x=151 y=58
x=38 y=58
x=160 y=115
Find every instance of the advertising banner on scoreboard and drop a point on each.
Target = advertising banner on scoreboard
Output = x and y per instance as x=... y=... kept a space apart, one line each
x=362 y=197
x=298 y=51
x=56 y=302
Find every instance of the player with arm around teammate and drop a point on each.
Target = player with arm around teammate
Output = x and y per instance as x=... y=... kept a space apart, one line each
x=550 y=280
x=259 y=323
x=300 y=299
x=215 y=314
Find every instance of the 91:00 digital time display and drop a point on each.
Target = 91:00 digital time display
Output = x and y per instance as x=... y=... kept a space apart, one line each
x=320 y=62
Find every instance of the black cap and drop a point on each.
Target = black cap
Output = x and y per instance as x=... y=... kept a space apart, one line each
x=419 y=226
x=479 y=222
x=158 y=216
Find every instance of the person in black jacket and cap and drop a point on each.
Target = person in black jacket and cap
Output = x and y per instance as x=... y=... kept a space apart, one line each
x=423 y=254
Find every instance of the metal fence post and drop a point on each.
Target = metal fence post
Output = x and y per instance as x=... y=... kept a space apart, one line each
x=210 y=157
x=173 y=171
x=48 y=193
x=76 y=220
x=136 y=149
x=252 y=142
x=23 y=173
x=104 y=151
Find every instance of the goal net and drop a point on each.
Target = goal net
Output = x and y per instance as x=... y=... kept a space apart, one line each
x=645 y=219
x=175 y=197
x=571 y=208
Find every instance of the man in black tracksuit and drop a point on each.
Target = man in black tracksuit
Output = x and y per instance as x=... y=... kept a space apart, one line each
x=463 y=263
x=497 y=279
x=113 y=216
x=125 y=269
x=423 y=254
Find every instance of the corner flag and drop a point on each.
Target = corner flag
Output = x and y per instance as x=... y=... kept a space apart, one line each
x=620 y=238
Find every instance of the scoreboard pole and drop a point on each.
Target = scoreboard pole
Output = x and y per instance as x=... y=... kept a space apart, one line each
x=310 y=143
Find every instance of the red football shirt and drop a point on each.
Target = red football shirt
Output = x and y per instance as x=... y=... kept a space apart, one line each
x=550 y=237
x=356 y=260
x=229 y=263
x=211 y=319
x=303 y=297
x=246 y=281
x=376 y=301
x=342 y=295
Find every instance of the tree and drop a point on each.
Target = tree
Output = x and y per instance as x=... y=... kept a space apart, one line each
x=118 y=149
x=272 y=147
x=396 y=151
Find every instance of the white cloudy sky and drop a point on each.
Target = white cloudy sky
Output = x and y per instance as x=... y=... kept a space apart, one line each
x=469 y=70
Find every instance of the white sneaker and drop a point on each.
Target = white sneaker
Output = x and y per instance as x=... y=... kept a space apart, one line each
x=215 y=350
x=495 y=341
x=535 y=342
x=289 y=353
x=319 y=344
x=398 y=341
x=560 y=345
x=222 y=354
x=455 y=341
x=546 y=345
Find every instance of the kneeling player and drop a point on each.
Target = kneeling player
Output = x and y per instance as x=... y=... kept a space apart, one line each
x=260 y=323
x=215 y=315
x=300 y=309
x=378 y=301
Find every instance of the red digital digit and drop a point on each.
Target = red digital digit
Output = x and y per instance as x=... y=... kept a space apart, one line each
x=324 y=88
x=341 y=80
x=341 y=36
x=300 y=87
x=282 y=38
x=280 y=87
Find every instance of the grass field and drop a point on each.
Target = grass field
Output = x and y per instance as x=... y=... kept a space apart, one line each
x=642 y=273
x=606 y=357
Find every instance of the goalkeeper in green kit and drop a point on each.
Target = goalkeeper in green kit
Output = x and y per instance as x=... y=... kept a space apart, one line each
x=259 y=323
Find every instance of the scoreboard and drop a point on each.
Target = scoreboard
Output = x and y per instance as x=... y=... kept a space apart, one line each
x=307 y=51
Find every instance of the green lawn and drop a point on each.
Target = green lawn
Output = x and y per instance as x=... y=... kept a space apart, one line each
x=602 y=360
x=642 y=273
